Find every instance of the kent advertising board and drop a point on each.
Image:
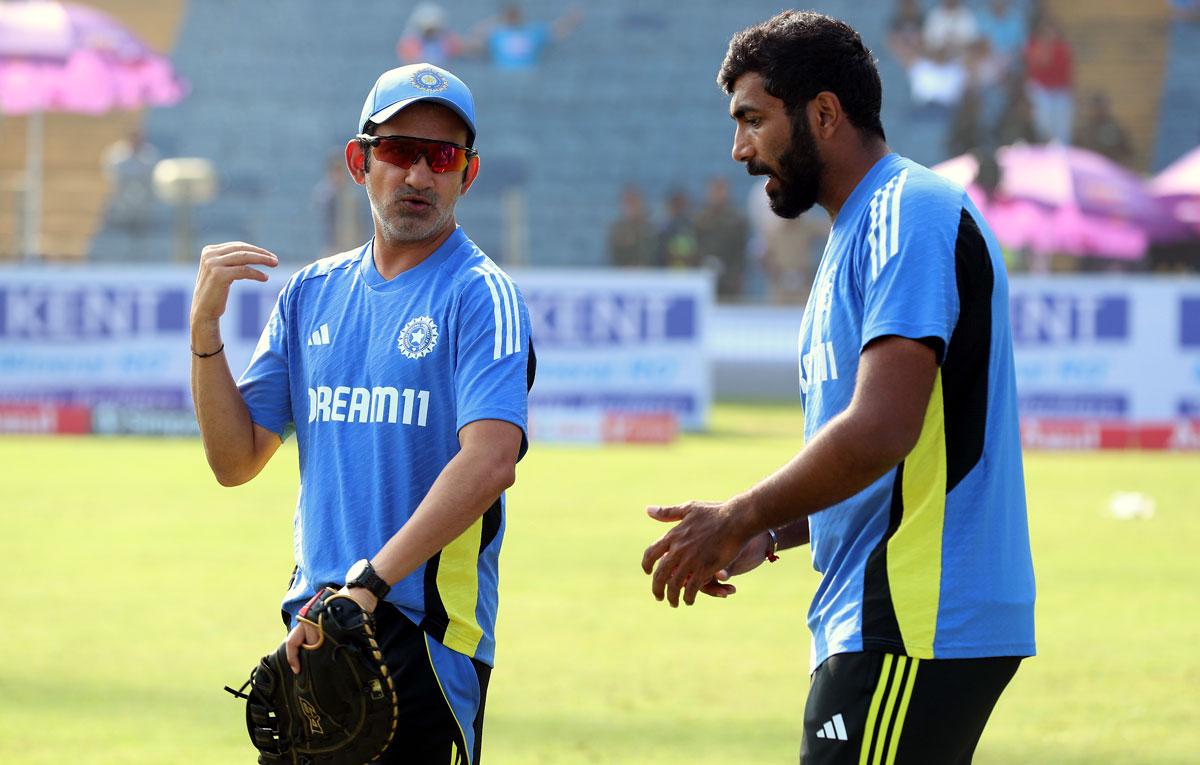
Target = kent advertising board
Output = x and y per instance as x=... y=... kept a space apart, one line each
x=113 y=341
x=620 y=355
x=1107 y=362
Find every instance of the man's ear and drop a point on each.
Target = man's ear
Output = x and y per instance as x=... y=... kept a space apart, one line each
x=471 y=173
x=825 y=114
x=356 y=157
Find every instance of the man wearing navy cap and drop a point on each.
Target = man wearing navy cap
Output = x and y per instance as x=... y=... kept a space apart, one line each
x=403 y=367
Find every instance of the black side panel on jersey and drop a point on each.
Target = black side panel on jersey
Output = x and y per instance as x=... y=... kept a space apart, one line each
x=964 y=400
x=965 y=373
x=491 y=525
x=530 y=367
x=880 y=628
x=530 y=373
x=436 y=619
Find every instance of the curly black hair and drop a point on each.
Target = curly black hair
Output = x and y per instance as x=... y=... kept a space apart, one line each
x=802 y=53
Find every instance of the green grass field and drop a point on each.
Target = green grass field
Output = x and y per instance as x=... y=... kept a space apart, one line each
x=135 y=587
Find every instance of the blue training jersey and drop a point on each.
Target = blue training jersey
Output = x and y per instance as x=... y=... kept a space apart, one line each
x=376 y=377
x=932 y=560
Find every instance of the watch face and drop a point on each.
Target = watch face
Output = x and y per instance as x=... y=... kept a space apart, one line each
x=361 y=574
x=356 y=571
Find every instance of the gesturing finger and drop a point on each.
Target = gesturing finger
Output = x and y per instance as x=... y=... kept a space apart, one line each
x=675 y=583
x=216 y=250
x=233 y=273
x=658 y=584
x=667 y=514
x=655 y=551
x=718 y=589
x=242 y=258
x=691 y=587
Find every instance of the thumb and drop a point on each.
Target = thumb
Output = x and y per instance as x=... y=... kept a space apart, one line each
x=666 y=514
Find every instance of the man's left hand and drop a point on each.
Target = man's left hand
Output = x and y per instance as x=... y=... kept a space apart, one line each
x=707 y=539
x=304 y=634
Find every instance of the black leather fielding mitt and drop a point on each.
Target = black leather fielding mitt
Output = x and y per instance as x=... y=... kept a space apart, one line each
x=341 y=709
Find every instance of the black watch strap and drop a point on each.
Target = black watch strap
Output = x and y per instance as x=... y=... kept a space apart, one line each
x=362 y=574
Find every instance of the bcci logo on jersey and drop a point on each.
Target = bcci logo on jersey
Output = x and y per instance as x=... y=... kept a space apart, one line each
x=418 y=337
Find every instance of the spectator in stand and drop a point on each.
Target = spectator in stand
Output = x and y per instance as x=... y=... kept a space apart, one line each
x=515 y=44
x=950 y=27
x=632 y=239
x=338 y=204
x=984 y=89
x=936 y=82
x=1016 y=123
x=905 y=32
x=789 y=248
x=722 y=233
x=1050 y=80
x=1006 y=32
x=1099 y=131
x=129 y=169
x=426 y=37
x=968 y=130
x=677 y=238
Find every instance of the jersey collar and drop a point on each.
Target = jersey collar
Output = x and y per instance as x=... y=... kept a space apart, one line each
x=375 y=280
x=884 y=168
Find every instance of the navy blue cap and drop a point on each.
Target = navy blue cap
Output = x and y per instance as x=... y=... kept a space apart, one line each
x=405 y=85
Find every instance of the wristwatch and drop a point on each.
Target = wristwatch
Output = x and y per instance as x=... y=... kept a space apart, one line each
x=362 y=574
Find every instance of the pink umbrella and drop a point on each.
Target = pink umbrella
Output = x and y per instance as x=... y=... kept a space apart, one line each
x=1178 y=187
x=1061 y=199
x=62 y=57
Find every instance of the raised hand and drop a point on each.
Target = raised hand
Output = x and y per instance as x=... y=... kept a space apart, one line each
x=220 y=266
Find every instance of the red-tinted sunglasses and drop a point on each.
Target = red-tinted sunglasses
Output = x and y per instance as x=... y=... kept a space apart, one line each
x=404 y=151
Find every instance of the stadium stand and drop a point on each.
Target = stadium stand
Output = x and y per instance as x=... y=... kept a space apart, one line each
x=1178 y=130
x=74 y=188
x=276 y=86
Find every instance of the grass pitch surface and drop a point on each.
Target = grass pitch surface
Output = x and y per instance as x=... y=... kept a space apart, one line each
x=136 y=587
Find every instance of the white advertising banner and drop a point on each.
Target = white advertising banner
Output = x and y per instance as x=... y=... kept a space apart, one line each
x=116 y=339
x=1107 y=348
x=620 y=341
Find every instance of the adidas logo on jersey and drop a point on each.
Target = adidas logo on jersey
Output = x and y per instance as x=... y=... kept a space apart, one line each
x=320 y=337
x=834 y=729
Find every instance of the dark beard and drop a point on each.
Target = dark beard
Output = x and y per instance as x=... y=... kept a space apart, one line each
x=799 y=177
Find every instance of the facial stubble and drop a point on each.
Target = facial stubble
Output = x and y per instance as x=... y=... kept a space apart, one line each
x=799 y=175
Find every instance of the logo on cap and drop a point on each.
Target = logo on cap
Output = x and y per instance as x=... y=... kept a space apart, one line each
x=429 y=81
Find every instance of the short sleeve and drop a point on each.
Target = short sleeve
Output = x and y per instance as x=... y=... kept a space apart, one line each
x=491 y=377
x=907 y=267
x=265 y=385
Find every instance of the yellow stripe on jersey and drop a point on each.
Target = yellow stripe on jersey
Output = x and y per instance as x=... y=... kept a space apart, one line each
x=458 y=586
x=914 y=553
